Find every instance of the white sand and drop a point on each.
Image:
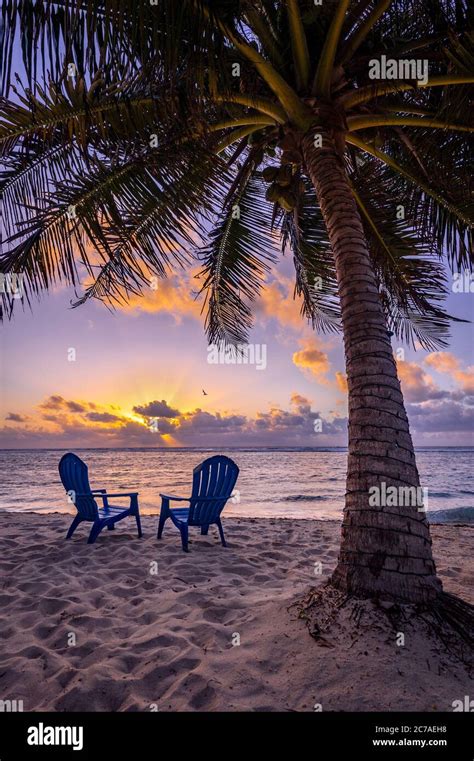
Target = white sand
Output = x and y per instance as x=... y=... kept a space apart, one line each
x=166 y=639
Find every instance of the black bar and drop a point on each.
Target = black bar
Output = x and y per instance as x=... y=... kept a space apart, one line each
x=134 y=735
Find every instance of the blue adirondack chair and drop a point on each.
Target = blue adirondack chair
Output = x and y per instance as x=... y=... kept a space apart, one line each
x=213 y=483
x=73 y=473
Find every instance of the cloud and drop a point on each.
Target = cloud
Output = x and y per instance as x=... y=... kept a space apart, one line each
x=434 y=411
x=312 y=360
x=417 y=385
x=75 y=407
x=78 y=415
x=341 y=382
x=60 y=422
x=178 y=296
x=56 y=402
x=276 y=301
x=175 y=295
x=53 y=402
x=66 y=423
x=466 y=379
x=302 y=404
x=164 y=425
x=157 y=409
x=443 y=416
x=103 y=417
x=277 y=420
x=446 y=363
x=300 y=427
x=200 y=421
x=442 y=361
x=14 y=417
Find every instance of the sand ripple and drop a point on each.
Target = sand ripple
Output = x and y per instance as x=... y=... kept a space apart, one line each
x=91 y=628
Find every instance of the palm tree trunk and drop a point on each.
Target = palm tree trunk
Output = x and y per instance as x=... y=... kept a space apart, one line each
x=385 y=550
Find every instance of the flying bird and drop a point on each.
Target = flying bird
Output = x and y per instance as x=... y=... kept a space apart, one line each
x=204 y=393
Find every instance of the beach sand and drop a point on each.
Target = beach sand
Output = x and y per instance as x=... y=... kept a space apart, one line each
x=96 y=628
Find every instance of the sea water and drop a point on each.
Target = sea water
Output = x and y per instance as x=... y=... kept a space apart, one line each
x=291 y=483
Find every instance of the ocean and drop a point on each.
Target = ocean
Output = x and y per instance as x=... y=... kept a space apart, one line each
x=287 y=483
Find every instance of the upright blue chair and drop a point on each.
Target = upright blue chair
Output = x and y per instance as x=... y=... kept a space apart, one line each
x=73 y=473
x=213 y=483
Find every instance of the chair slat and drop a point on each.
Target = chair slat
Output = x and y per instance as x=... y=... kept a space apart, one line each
x=215 y=477
x=75 y=478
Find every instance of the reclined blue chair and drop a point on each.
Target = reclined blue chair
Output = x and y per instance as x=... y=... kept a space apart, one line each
x=73 y=473
x=213 y=483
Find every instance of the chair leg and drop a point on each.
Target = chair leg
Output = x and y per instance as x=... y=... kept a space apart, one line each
x=95 y=531
x=77 y=520
x=110 y=526
x=221 y=532
x=161 y=524
x=139 y=525
x=184 y=537
x=204 y=530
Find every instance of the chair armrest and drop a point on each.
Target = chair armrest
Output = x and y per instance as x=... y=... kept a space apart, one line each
x=105 y=495
x=121 y=494
x=98 y=491
x=194 y=499
x=210 y=499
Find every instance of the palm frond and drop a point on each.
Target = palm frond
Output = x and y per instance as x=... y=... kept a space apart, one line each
x=236 y=261
x=82 y=141
x=443 y=209
x=304 y=231
x=72 y=112
x=89 y=216
x=412 y=280
x=160 y=228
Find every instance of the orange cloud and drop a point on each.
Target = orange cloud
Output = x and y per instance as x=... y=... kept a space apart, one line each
x=59 y=414
x=341 y=382
x=445 y=362
x=298 y=400
x=412 y=375
x=442 y=361
x=276 y=301
x=417 y=385
x=466 y=379
x=176 y=295
x=312 y=360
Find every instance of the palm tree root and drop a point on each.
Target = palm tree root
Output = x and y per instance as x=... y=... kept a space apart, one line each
x=334 y=618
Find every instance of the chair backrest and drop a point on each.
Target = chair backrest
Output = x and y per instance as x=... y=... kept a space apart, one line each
x=215 y=477
x=73 y=473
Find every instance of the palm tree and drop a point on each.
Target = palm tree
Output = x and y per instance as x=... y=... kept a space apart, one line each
x=140 y=125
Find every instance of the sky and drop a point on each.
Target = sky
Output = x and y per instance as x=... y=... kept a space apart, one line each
x=135 y=377
x=89 y=377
